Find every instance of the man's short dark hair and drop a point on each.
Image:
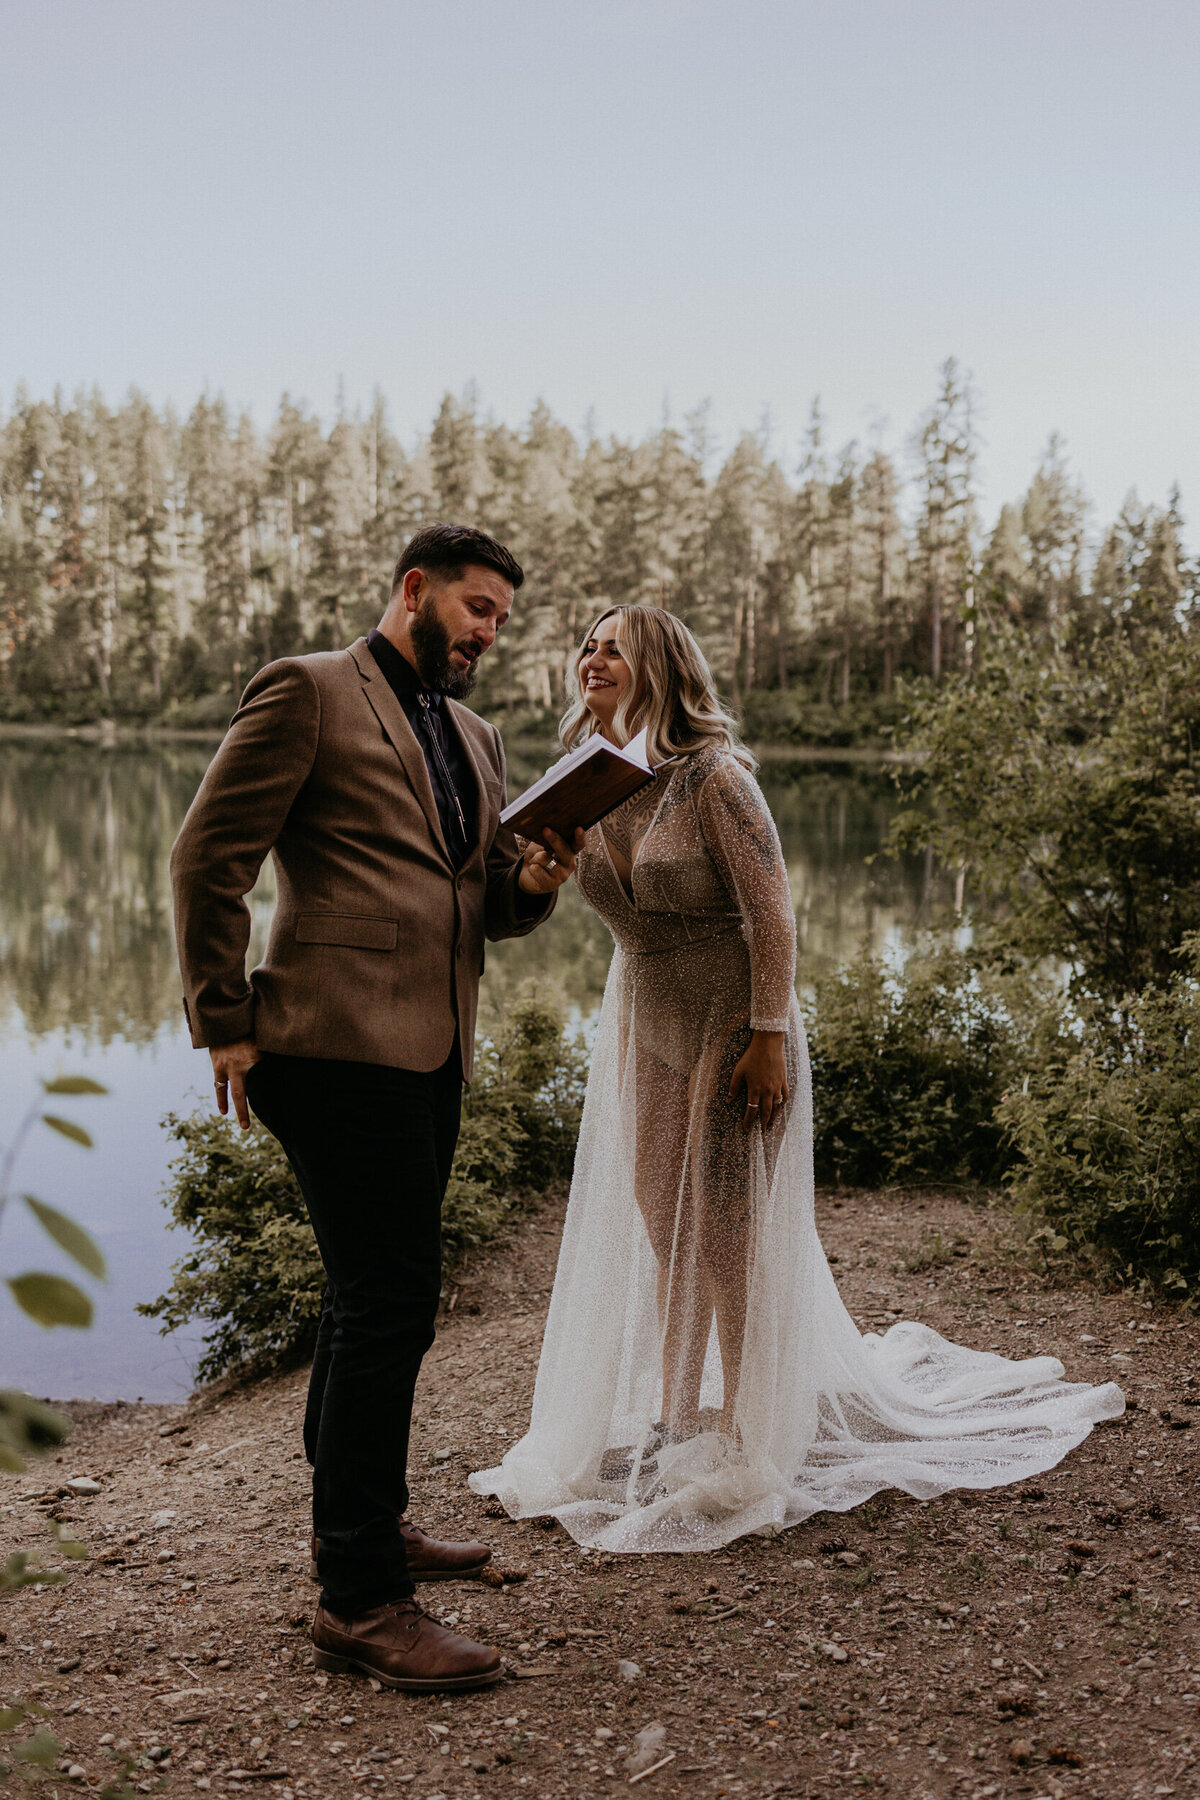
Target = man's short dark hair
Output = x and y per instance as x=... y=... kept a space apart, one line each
x=447 y=550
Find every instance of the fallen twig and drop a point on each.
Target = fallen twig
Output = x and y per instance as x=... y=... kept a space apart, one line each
x=660 y=1764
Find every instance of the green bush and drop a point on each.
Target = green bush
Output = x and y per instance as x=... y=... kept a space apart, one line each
x=908 y=1070
x=253 y=1272
x=1064 y=781
x=1106 y=1127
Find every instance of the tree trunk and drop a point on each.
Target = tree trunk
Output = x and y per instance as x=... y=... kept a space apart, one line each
x=751 y=633
x=739 y=615
x=935 y=634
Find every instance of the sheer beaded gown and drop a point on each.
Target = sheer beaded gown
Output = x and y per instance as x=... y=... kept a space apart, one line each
x=700 y=1377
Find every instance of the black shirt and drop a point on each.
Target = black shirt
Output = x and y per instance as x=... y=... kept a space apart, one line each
x=450 y=772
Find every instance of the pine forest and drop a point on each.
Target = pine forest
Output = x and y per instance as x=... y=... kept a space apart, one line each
x=150 y=563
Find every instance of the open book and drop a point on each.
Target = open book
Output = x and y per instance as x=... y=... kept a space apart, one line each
x=584 y=787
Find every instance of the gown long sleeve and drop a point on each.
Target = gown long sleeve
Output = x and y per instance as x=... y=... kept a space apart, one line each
x=690 y=1243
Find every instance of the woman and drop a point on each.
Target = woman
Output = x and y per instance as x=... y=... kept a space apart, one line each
x=700 y=1377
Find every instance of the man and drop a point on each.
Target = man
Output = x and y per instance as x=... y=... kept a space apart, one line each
x=379 y=798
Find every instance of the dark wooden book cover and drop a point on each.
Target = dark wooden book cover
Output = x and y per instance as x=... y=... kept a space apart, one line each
x=586 y=793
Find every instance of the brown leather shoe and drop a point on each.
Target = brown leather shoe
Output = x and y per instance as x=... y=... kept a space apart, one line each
x=429 y=1559
x=404 y=1648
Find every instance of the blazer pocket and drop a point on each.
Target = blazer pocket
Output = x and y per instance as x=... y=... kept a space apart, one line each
x=350 y=929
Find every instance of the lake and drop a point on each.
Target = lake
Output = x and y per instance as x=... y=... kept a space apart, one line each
x=89 y=985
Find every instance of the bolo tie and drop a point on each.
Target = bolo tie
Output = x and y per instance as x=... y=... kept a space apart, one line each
x=433 y=732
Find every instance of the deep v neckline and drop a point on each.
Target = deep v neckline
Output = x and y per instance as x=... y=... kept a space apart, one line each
x=627 y=893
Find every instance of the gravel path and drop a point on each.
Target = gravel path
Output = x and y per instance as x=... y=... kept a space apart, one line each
x=1039 y=1641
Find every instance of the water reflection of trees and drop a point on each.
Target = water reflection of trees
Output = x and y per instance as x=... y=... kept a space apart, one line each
x=85 y=903
x=85 y=908
x=833 y=825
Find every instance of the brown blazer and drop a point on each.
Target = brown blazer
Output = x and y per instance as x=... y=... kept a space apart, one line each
x=376 y=948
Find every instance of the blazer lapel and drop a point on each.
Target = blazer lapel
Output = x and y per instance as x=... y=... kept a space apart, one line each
x=390 y=714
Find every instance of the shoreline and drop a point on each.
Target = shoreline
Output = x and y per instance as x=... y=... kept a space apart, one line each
x=113 y=734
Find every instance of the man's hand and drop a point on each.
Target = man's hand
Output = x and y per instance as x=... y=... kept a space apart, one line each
x=546 y=868
x=763 y=1069
x=230 y=1066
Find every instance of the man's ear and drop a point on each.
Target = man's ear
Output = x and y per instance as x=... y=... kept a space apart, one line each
x=413 y=589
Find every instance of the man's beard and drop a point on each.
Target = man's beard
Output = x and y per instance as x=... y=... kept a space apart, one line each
x=431 y=641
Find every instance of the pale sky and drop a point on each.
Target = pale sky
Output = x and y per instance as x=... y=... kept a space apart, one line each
x=621 y=205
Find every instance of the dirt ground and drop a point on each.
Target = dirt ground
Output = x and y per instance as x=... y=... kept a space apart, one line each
x=1040 y=1640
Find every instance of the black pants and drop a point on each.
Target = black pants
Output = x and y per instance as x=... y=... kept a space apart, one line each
x=371 y=1148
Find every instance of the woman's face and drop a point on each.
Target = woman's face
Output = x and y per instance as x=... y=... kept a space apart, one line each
x=604 y=675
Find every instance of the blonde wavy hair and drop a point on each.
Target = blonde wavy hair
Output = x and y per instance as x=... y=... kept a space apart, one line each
x=671 y=690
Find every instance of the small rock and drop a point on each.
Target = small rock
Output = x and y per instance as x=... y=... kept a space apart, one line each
x=165 y=1556
x=83 y=1484
x=1124 y=1503
x=848 y=1559
x=76 y=1772
x=161 y=1520
x=72 y=1662
x=441 y=1456
x=603 y=1733
x=647 y=1748
x=629 y=1671
x=835 y=1652
x=1020 y=1750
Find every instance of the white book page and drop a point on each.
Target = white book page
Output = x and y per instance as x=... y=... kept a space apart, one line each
x=636 y=750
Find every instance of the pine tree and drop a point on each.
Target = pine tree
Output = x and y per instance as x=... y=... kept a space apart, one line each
x=946 y=448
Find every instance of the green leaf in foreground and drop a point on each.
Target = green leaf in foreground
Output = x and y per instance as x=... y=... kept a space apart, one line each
x=27 y=1426
x=41 y=1748
x=69 y=1236
x=74 y=1084
x=68 y=1128
x=51 y=1300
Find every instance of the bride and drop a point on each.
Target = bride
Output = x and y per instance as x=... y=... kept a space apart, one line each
x=700 y=1377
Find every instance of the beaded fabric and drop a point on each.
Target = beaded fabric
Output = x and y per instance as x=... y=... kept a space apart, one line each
x=700 y=1377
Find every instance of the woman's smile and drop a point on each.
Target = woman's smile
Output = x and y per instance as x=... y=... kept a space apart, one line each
x=603 y=673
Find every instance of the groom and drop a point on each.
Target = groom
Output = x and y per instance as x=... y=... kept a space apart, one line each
x=379 y=798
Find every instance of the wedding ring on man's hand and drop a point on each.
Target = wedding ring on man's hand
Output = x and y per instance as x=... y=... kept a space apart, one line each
x=753 y=1106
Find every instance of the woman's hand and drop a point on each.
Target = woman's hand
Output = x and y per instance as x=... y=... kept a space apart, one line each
x=763 y=1068
x=546 y=867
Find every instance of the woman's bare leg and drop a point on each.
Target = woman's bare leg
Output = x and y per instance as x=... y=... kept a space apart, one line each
x=724 y=1174
x=667 y=1206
